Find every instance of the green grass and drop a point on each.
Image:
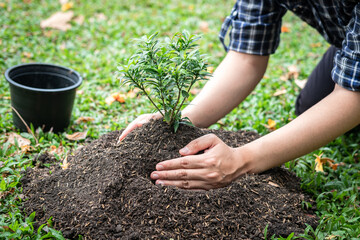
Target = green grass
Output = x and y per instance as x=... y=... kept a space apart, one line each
x=103 y=41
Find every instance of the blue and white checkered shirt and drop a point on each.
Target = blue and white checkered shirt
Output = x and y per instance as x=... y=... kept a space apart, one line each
x=256 y=27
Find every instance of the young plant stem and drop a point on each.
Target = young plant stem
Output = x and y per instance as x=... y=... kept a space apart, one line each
x=145 y=93
x=188 y=90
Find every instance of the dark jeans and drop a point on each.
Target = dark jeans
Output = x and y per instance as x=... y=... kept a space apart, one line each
x=319 y=83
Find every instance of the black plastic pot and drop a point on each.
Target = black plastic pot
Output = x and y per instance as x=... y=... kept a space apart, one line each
x=42 y=94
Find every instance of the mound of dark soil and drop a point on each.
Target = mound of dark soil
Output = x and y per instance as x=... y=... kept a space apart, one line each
x=107 y=193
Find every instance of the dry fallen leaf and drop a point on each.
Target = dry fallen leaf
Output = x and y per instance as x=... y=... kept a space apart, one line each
x=76 y=136
x=115 y=97
x=22 y=142
x=27 y=54
x=84 y=120
x=285 y=29
x=315 y=45
x=271 y=125
x=280 y=92
x=320 y=161
x=293 y=73
x=65 y=164
x=66 y=6
x=58 y=20
x=56 y=150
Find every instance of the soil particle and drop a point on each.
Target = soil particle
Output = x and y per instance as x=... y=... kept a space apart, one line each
x=106 y=193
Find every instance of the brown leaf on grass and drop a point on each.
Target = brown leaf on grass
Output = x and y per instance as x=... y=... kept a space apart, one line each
x=280 y=92
x=320 y=161
x=21 y=141
x=76 y=136
x=84 y=120
x=293 y=73
x=58 y=20
x=285 y=29
x=115 y=97
x=57 y=150
x=271 y=125
x=67 y=6
x=27 y=54
x=300 y=83
x=315 y=45
x=204 y=26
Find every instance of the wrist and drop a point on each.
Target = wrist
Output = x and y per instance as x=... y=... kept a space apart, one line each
x=247 y=159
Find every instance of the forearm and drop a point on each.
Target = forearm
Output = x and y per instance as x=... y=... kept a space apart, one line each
x=331 y=117
x=232 y=82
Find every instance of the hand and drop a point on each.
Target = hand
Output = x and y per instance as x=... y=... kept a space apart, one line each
x=217 y=167
x=138 y=122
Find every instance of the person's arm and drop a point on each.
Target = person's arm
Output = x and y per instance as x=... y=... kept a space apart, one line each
x=232 y=82
x=220 y=164
x=331 y=117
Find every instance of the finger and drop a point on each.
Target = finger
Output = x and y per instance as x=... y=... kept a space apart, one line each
x=183 y=174
x=188 y=162
x=128 y=129
x=185 y=184
x=199 y=144
x=138 y=122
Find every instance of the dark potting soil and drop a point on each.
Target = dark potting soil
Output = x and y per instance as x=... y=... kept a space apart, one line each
x=106 y=193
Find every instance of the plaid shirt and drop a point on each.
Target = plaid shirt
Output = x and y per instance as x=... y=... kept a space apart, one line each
x=256 y=27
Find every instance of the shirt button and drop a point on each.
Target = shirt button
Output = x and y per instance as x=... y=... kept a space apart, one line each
x=234 y=13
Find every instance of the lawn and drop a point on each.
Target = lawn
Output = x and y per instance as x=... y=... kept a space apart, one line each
x=100 y=38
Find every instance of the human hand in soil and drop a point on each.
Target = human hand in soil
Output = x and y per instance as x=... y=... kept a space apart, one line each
x=216 y=167
x=138 y=122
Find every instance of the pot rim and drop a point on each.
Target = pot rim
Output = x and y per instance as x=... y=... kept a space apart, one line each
x=72 y=71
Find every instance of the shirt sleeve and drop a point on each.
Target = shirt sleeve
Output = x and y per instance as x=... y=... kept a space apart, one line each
x=346 y=71
x=255 y=27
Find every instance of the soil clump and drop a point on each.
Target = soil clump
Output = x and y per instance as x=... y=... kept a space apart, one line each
x=106 y=193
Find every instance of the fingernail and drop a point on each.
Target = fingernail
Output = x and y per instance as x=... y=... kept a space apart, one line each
x=158 y=182
x=159 y=167
x=184 y=150
x=154 y=176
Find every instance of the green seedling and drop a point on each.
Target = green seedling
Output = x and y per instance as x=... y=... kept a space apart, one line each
x=165 y=72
